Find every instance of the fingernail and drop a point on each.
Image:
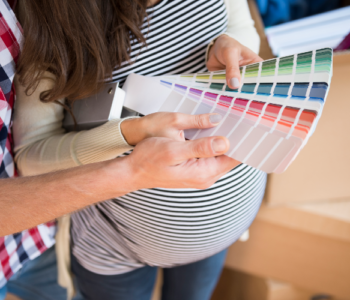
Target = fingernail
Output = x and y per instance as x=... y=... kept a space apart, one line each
x=234 y=83
x=219 y=145
x=215 y=118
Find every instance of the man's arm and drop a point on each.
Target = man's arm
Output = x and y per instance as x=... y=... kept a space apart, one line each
x=156 y=162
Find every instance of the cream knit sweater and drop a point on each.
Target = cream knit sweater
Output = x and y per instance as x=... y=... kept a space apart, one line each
x=41 y=144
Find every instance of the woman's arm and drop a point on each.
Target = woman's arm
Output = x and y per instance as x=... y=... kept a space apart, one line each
x=241 y=25
x=41 y=144
x=235 y=47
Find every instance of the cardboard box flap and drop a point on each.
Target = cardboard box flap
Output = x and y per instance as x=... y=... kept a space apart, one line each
x=331 y=220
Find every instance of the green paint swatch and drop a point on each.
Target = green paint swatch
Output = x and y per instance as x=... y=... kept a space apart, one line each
x=203 y=76
x=286 y=65
x=323 y=60
x=252 y=70
x=219 y=76
x=304 y=61
x=227 y=89
x=268 y=68
x=187 y=76
x=217 y=86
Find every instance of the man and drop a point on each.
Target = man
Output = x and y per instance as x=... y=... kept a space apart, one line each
x=27 y=202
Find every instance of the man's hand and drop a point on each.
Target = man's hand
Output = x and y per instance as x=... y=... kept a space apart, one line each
x=229 y=54
x=156 y=162
x=165 y=163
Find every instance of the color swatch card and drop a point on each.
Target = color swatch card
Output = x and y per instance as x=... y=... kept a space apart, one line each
x=268 y=120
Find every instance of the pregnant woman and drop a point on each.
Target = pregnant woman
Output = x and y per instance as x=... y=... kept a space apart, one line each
x=70 y=48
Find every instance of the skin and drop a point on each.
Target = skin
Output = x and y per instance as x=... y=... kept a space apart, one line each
x=226 y=53
x=161 y=159
x=155 y=162
x=229 y=54
x=162 y=124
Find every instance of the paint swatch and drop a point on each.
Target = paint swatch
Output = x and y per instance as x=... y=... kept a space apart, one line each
x=269 y=119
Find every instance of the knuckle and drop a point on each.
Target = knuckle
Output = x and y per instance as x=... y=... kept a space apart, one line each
x=200 y=120
x=175 y=118
x=234 y=50
x=199 y=149
x=181 y=135
x=229 y=50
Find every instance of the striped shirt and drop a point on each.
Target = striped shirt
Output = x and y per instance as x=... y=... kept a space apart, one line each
x=169 y=227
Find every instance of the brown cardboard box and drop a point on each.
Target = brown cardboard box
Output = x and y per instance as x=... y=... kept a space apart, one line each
x=321 y=172
x=306 y=245
x=12 y=297
x=305 y=240
x=235 y=285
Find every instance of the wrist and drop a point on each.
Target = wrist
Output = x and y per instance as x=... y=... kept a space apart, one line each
x=119 y=177
x=133 y=130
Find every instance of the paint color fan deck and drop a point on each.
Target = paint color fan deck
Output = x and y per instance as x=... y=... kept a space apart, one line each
x=268 y=120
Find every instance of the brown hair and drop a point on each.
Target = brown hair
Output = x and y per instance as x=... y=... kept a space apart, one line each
x=79 y=41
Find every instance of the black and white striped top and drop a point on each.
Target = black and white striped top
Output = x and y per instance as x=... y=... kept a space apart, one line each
x=164 y=227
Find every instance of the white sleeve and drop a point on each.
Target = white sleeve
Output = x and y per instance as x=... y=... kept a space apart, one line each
x=240 y=25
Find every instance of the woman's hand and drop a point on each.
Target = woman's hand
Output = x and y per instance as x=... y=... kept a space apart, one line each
x=229 y=54
x=165 y=124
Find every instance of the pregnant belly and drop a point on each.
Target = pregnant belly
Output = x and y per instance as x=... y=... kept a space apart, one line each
x=163 y=227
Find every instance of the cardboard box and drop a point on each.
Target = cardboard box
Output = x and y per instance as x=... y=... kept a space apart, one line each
x=305 y=245
x=321 y=172
x=302 y=235
x=11 y=297
x=235 y=285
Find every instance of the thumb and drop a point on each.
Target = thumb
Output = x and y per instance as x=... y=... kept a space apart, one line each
x=201 y=148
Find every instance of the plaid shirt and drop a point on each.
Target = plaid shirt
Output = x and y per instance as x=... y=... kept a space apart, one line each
x=18 y=248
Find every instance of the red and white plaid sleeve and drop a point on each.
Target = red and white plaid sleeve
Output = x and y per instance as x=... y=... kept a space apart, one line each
x=16 y=249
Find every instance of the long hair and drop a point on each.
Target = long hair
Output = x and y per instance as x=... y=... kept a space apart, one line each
x=79 y=41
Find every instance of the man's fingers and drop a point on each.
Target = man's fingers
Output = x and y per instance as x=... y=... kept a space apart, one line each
x=201 y=148
x=215 y=168
x=164 y=162
x=185 y=121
